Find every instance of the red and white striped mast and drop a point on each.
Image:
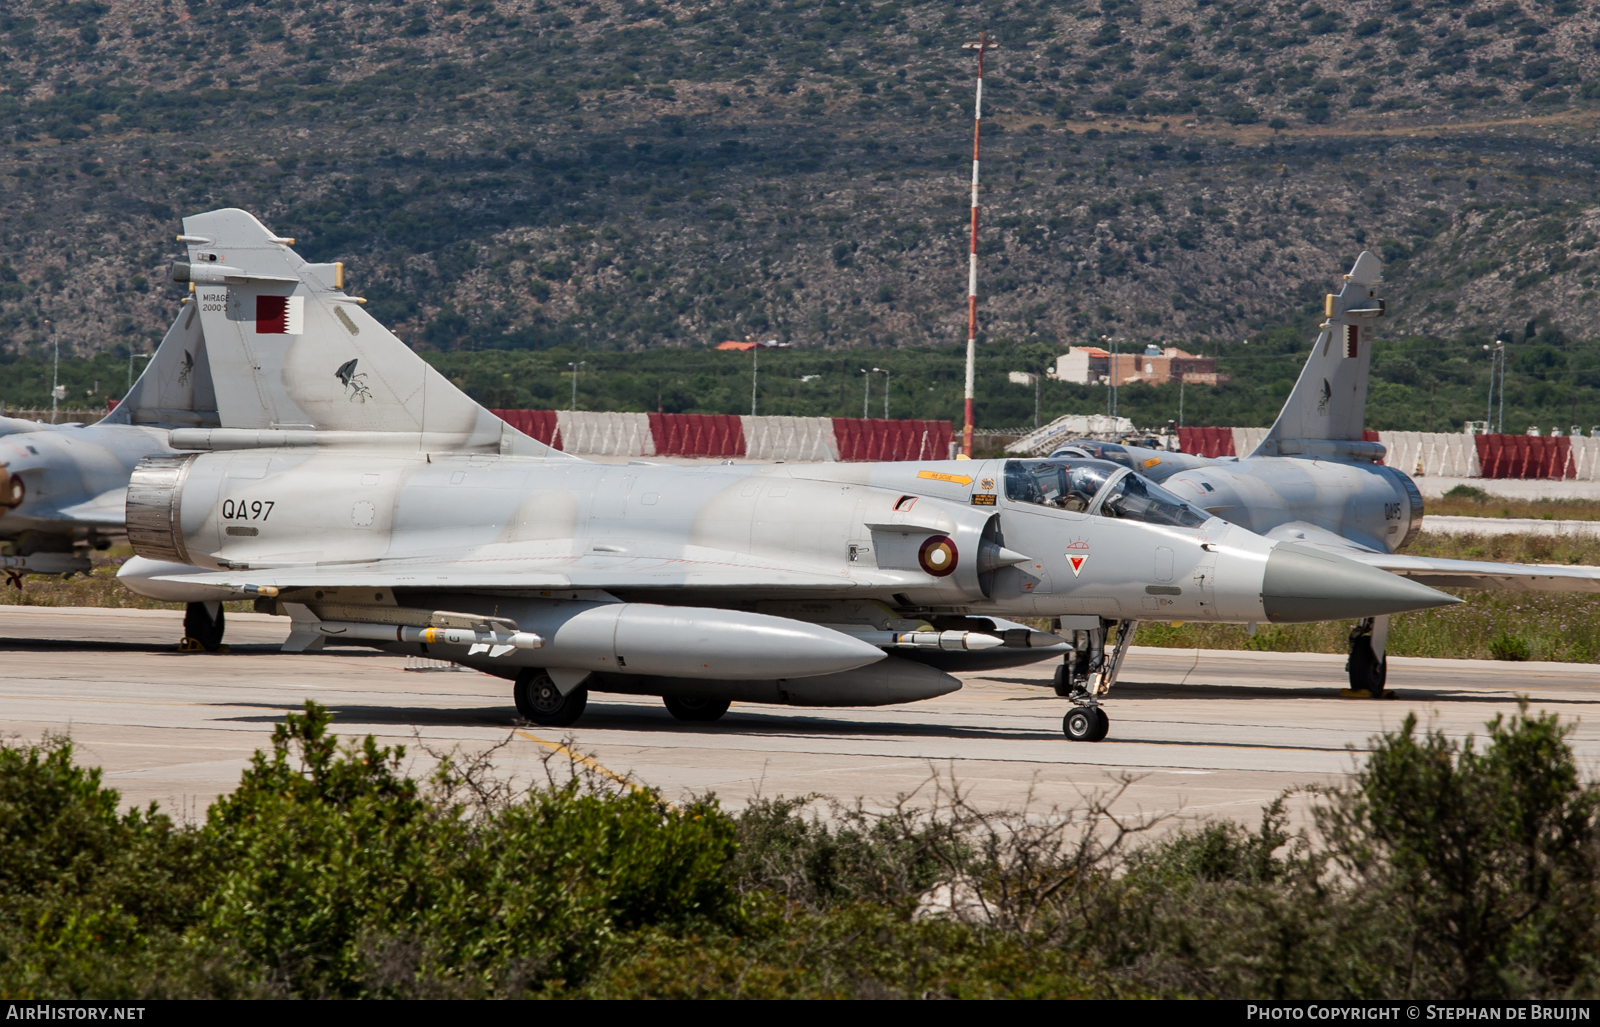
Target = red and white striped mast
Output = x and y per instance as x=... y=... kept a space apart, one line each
x=983 y=45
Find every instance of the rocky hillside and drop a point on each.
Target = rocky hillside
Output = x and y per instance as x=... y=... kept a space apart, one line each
x=634 y=174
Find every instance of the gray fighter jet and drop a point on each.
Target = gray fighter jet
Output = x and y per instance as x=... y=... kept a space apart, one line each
x=63 y=487
x=1313 y=481
x=354 y=490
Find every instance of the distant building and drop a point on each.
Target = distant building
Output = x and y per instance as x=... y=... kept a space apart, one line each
x=745 y=347
x=1091 y=365
x=1083 y=365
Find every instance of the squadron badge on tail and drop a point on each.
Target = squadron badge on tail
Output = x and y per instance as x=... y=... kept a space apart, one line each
x=354 y=383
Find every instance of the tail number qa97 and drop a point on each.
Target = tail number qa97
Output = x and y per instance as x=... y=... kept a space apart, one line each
x=253 y=510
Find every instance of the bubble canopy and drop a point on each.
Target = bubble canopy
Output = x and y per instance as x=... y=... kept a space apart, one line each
x=1097 y=487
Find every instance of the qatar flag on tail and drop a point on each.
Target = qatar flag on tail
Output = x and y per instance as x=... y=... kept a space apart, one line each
x=280 y=315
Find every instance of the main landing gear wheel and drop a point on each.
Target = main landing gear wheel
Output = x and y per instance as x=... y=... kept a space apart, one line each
x=1367 y=672
x=1085 y=724
x=702 y=710
x=539 y=700
x=202 y=627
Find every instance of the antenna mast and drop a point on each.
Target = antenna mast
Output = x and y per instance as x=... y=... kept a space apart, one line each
x=983 y=45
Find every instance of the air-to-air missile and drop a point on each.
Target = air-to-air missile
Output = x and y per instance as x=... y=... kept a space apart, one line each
x=354 y=490
x=62 y=487
x=1316 y=483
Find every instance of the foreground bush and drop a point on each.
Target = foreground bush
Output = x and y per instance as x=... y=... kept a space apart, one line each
x=1444 y=869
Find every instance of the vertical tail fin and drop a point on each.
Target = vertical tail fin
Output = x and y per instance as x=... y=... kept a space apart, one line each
x=1329 y=402
x=175 y=388
x=290 y=349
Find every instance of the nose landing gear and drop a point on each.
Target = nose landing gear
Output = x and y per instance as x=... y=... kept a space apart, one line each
x=1368 y=664
x=1087 y=674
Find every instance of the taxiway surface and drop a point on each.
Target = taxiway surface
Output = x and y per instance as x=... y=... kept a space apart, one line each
x=1207 y=733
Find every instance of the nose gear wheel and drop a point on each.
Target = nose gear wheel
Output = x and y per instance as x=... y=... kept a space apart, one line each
x=1085 y=724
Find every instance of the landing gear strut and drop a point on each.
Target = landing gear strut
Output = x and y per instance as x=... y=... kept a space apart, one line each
x=1087 y=674
x=1368 y=664
x=203 y=625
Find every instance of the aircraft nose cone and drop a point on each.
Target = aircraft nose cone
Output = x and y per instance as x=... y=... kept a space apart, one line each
x=1306 y=584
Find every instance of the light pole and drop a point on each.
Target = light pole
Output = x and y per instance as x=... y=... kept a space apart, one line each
x=982 y=45
x=1501 y=423
x=755 y=367
x=1496 y=353
x=885 y=373
x=866 y=397
x=1111 y=390
x=55 y=372
x=132 y=356
x=575 y=367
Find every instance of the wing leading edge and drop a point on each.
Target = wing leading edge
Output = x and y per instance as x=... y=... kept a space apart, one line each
x=1441 y=573
x=524 y=574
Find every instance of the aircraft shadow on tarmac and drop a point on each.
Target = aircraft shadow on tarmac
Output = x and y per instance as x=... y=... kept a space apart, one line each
x=738 y=723
x=87 y=646
x=610 y=716
x=74 y=645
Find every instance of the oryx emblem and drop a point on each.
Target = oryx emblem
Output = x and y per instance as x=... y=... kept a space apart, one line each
x=355 y=383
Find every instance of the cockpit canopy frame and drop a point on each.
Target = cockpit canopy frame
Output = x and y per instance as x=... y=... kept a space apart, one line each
x=1098 y=488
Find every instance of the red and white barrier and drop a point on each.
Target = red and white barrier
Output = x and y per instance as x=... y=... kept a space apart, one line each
x=595 y=433
x=1439 y=454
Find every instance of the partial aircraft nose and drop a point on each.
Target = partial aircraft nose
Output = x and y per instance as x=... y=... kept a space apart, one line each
x=1306 y=584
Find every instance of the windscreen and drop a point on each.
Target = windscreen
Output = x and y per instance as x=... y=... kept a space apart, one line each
x=1071 y=483
x=1140 y=499
x=1065 y=484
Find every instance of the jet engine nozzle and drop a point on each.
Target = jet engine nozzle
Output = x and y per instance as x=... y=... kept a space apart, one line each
x=1302 y=584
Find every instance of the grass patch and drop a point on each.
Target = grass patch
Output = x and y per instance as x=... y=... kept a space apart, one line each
x=1468 y=501
x=99 y=588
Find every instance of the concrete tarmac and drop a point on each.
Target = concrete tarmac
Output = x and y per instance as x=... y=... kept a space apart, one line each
x=1205 y=733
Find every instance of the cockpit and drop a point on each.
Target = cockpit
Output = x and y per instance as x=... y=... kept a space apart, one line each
x=1097 y=487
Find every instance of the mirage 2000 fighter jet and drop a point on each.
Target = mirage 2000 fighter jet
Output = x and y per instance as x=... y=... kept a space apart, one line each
x=1314 y=482
x=63 y=487
x=353 y=489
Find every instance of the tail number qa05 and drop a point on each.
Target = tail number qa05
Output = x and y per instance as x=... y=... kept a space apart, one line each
x=254 y=510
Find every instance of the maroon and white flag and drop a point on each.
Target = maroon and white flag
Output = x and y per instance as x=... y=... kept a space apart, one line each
x=280 y=315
